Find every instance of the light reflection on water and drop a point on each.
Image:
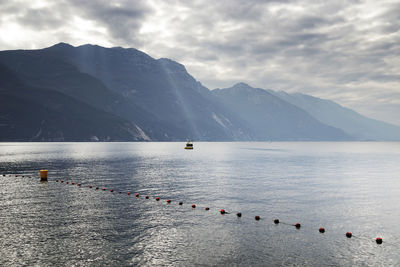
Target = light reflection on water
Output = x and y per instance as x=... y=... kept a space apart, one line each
x=340 y=186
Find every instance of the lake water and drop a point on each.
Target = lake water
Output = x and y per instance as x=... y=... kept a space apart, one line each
x=339 y=186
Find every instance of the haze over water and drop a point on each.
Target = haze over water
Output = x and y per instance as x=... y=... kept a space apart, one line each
x=340 y=186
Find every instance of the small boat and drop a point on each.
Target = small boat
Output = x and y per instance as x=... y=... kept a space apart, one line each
x=189 y=145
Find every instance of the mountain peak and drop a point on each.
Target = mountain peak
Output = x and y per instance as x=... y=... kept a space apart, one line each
x=242 y=85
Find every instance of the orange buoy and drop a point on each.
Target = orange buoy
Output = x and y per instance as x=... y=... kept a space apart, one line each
x=222 y=211
x=207 y=208
x=79 y=184
x=147 y=197
x=322 y=230
x=257 y=218
x=298 y=225
x=180 y=203
x=276 y=221
x=72 y=183
x=43 y=175
x=157 y=198
x=379 y=240
x=169 y=201
x=137 y=195
x=349 y=234
x=193 y=206
x=239 y=214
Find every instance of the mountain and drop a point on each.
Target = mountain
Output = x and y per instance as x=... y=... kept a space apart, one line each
x=333 y=114
x=88 y=92
x=37 y=114
x=157 y=95
x=273 y=118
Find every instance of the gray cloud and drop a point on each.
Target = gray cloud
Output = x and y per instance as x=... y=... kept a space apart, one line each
x=347 y=51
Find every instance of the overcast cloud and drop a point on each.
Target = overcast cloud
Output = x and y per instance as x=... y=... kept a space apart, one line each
x=347 y=51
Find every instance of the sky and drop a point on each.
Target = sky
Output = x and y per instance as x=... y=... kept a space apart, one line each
x=346 y=51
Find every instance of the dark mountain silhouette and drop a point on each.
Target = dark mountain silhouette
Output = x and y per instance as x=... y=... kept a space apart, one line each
x=67 y=93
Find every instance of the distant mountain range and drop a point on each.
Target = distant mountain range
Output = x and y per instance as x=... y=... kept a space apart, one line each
x=92 y=93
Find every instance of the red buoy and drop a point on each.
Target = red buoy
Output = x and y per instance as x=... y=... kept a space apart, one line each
x=257 y=218
x=111 y=190
x=207 y=208
x=137 y=194
x=180 y=203
x=298 y=225
x=379 y=240
x=239 y=214
x=349 y=234
x=169 y=201
x=128 y=193
x=72 y=183
x=79 y=184
x=157 y=198
x=322 y=230
x=147 y=197
x=276 y=221
x=193 y=206
x=222 y=211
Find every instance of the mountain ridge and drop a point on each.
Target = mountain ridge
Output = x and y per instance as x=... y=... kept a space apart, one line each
x=156 y=99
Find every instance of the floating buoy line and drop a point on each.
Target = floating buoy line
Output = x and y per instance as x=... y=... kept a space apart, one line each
x=43 y=176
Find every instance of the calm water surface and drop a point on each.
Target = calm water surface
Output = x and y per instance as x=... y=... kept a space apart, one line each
x=340 y=186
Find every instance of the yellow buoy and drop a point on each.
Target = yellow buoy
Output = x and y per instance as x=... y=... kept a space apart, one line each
x=43 y=175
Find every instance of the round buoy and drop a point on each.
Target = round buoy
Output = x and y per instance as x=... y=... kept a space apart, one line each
x=222 y=211
x=180 y=203
x=322 y=230
x=147 y=197
x=90 y=186
x=207 y=208
x=111 y=190
x=276 y=221
x=62 y=181
x=79 y=184
x=157 y=198
x=257 y=218
x=379 y=240
x=169 y=201
x=298 y=225
x=104 y=189
x=97 y=188
x=67 y=182
x=72 y=183
x=57 y=181
x=128 y=193
x=119 y=192
x=193 y=206
x=349 y=234
x=239 y=214
x=137 y=195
